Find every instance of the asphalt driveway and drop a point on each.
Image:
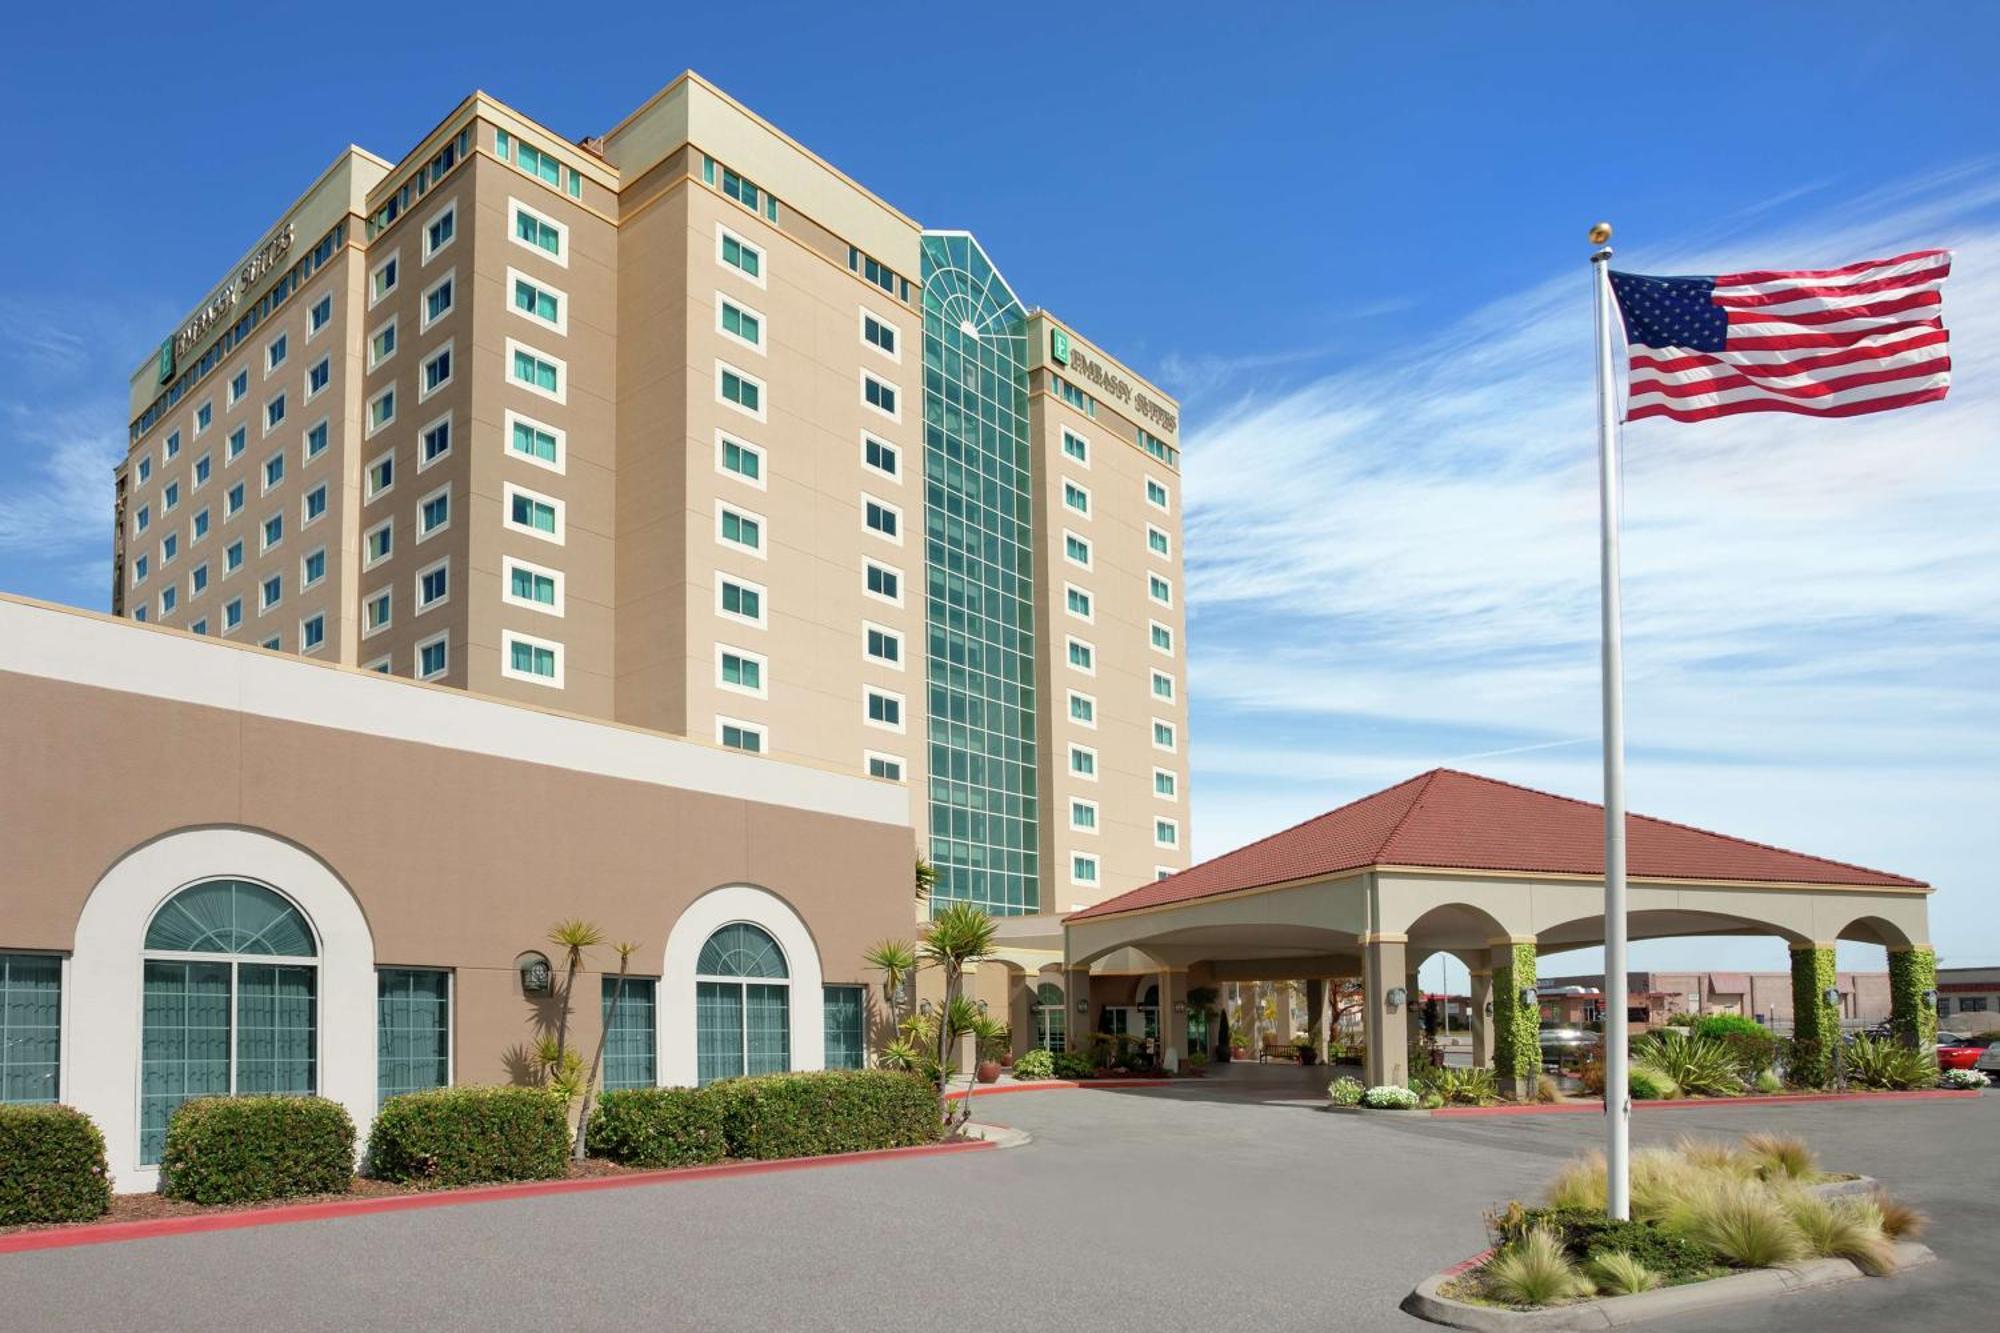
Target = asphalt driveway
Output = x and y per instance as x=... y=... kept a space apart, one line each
x=1205 y=1206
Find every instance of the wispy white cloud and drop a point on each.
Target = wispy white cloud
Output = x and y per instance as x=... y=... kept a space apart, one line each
x=63 y=504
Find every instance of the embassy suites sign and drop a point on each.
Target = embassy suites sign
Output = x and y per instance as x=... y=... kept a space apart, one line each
x=1109 y=382
x=224 y=301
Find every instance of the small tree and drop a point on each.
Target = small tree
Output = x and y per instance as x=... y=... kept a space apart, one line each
x=926 y=879
x=625 y=951
x=958 y=935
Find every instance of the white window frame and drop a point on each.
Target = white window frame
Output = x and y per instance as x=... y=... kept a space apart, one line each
x=887 y=383
x=369 y=562
x=895 y=477
x=1096 y=815
x=389 y=621
x=901 y=725
x=320 y=616
x=1062 y=445
x=1096 y=870
x=1167 y=821
x=509 y=490
x=1152 y=625
x=510 y=418
x=306 y=516
x=1089 y=723
x=265 y=415
x=561 y=392
x=1155 y=530
x=1081 y=489
x=902 y=765
x=1174 y=776
x=762 y=620
x=763 y=686
x=508 y=638
x=417 y=603
x=1155 y=481
x=264 y=542
x=902 y=645
x=425 y=389
x=270 y=367
x=376 y=297
x=757 y=552
x=1088 y=618
x=1154 y=677
x=861 y=332
x=763 y=459
x=231 y=397
x=514 y=210
x=1071 y=641
x=264 y=483
x=371 y=427
x=417 y=656
x=508 y=564
x=1070 y=765
x=893 y=538
x=417 y=513
x=306 y=391
x=763 y=256
x=1090 y=551
x=380 y=665
x=424 y=235
x=886 y=567
x=1153 y=734
x=560 y=324
x=763 y=409
x=314 y=330
x=1152 y=592
x=760 y=347
x=762 y=731
x=306 y=581
x=425 y=320
x=451 y=441
x=278 y=601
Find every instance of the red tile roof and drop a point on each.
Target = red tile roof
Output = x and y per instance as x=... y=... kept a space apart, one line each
x=1445 y=819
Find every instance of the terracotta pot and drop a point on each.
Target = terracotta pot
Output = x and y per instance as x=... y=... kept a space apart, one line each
x=1006 y=1059
x=988 y=1071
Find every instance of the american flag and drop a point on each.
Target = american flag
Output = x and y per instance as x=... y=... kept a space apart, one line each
x=1831 y=342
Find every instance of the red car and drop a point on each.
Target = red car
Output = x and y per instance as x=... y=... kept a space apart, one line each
x=1959 y=1052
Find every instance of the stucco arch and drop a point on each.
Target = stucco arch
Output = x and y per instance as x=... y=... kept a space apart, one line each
x=106 y=974
x=719 y=907
x=1876 y=930
x=1458 y=928
x=1644 y=923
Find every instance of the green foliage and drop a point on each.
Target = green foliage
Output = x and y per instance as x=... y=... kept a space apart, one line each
x=1742 y=1220
x=896 y=960
x=1345 y=1091
x=1517 y=1044
x=1588 y=1234
x=1848 y=1228
x=1457 y=1087
x=1962 y=1079
x=1533 y=1271
x=1650 y=1084
x=1911 y=973
x=243 y=1149
x=659 y=1127
x=830 y=1111
x=1389 y=1097
x=1619 y=1274
x=1035 y=1064
x=1698 y=1066
x=1769 y=1083
x=466 y=1135
x=1073 y=1065
x=1815 y=1023
x=1754 y=1045
x=1780 y=1157
x=51 y=1166
x=1883 y=1063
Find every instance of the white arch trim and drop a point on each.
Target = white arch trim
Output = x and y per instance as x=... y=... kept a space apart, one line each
x=104 y=1002
x=706 y=915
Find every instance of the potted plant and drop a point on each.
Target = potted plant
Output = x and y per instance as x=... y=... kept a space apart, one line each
x=1308 y=1055
x=992 y=1037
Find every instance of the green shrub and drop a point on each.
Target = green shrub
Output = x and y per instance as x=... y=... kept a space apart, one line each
x=1699 y=1066
x=1768 y=1082
x=1588 y=1234
x=1533 y=1271
x=657 y=1127
x=1035 y=1064
x=1345 y=1091
x=1619 y=1274
x=833 y=1111
x=1754 y=1046
x=1074 y=1064
x=1649 y=1084
x=1389 y=1097
x=51 y=1166
x=1964 y=1080
x=242 y=1149
x=463 y=1136
x=1873 y=1062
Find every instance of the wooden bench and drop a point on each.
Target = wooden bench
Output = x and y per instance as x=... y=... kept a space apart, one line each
x=1274 y=1049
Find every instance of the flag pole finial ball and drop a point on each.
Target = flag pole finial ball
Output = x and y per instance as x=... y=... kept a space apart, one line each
x=1600 y=233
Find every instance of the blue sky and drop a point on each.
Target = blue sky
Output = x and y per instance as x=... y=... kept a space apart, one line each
x=1352 y=240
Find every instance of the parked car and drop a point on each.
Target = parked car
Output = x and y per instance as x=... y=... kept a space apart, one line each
x=1959 y=1052
x=1988 y=1062
x=1569 y=1046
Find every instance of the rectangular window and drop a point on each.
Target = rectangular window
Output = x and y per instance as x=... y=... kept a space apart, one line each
x=138 y=570
x=274 y=413
x=170 y=497
x=378 y=611
x=735 y=735
x=382 y=409
x=745 y=460
x=1082 y=709
x=200 y=525
x=437 y=371
x=274 y=470
x=884 y=766
x=1163 y=638
x=1163 y=686
x=270 y=593
x=845 y=1010
x=535 y=442
x=378 y=543
x=232 y=614
x=743 y=191
x=315 y=503
x=1076 y=550
x=383 y=279
x=739 y=600
x=201 y=471
x=143 y=519
x=1166 y=833
x=1163 y=735
x=232 y=501
x=1165 y=783
x=734 y=527
x=532 y=586
x=239 y=385
x=1083 y=816
x=884 y=709
x=1075 y=446
x=434 y=443
x=882 y=645
x=1156 y=494
x=319 y=376
x=433 y=585
x=881 y=456
x=438 y=299
x=413 y=1030
x=30 y=1027
x=882 y=581
x=1083 y=761
x=1082 y=868
x=274 y=531
x=879 y=395
x=882 y=519
x=204 y=417
x=538 y=515
x=322 y=314
x=878 y=334
x=1083 y=657
x=170 y=546
x=232 y=557
x=631 y=1036
x=534 y=371
x=1160 y=590
x=238 y=440
x=1156 y=541
x=739 y=254
x=746 y=326
x=145 y=470
x=312 y=632
x=312 y=569
x=538 y=302
x=1077 y=498
x=739 y=389
x=381 y=475
x=538 y=233
x=275 y=353
x=539 y=164
x=1076 y=601
x=433 y=658
x=740 y=671
x=441 y=229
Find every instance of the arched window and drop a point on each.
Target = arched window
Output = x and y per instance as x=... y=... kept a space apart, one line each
x=222 y=1013
x=1149 y=1011
x=1050 y=1024
x=743 y=1005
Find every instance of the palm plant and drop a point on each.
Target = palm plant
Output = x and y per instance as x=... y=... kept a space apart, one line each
x=1699 y=1066
x=896 y=960
x=926 y=879
x=1886 y=1063
x=958 y=934
x=572 y=937
x=625 y=951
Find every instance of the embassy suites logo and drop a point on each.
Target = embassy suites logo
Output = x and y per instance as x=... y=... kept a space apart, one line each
x=225 y=299
x=1109 y=382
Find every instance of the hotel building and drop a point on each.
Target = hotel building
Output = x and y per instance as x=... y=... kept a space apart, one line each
x=680 y=427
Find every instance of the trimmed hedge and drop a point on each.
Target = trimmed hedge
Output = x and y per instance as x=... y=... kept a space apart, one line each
x=837 y=1110
x=1588 y=1232
x=660 y=1127
x=243 y=1149
x=470 y=1135
x=51 y=1166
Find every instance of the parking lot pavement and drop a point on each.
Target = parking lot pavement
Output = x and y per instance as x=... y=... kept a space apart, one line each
x=1193 y=1207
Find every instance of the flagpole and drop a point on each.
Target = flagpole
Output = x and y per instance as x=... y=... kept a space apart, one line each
x=1617 y=1090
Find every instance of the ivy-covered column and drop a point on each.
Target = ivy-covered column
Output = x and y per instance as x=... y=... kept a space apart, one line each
x=1517 y=1047
x=1913 y=996
x=1815 y=1023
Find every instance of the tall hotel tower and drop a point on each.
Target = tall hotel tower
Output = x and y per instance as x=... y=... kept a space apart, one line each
x=683 y=428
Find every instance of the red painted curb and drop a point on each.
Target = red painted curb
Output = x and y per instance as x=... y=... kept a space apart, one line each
x=1694 y=1103
x=105 y=1233
x=1465 y=1265
x=1048 y=1084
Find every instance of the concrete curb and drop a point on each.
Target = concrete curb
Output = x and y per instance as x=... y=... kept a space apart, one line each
x=1698 y=1103
x=1000 y=1136
x=1426 y=1302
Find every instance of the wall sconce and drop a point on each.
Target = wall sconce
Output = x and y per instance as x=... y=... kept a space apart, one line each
x=1529 y=999
x=1930 y=999
x=925 y=1008
x=1489 y=1008
x=982 y=1006
x=537 y=977
x=1397 y=997
x=1180 y=1006
x=1083 y=1006
x=1831 y=995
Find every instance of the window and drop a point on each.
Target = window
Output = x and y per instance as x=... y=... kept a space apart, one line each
x=743 y=1018
x=274 y=413
x=734 y=321
x=314 y=505
x=538 y=233
x=232 y=501
x=230 y=1002
x=139 y=564
x=438 y=299
x=170 y=597
x=232 y=557
x=1160 y=590
x=631 y=1039
x=1156 y=494
x=883 y=709
x=1076 y=601
x=321 y=315
x=170 y=546
x=1075 y=446
x=201 y=471
x=274 y=531
x=879 y=395
x=879 y=334
x=1050 y=1022
x=531 y=586
x=1083 y=762
x=1077 y=498
x=382 y=280
x=844 y=1026
x=534 y=442
x=378 y=611
x=528 y=659
x=535 y=372
x=735 y=252
x=1163 y=735
x=739 y=390
x=1166 y=833
x=145 y=470
x=747 y=193
x=441 y=230
x=1158 y=447
x=312 y=632
x=199 y=627
x=312 y=569
x=882 y=581
x=433 y=658
x=143 y=519
x=238 y=440
x=1083 y=816
x=1163 y=638
x=275 y=353
x=1074 y=396
x=239 y=385
x=1163 y=686
x=538 y=302
x=884 y=766
x=1076 y=550
x=139 y=613
x=875 y=271
x=232 y=614
x=882 y=519
x=433 y=585
x=382 y=409
x=274 y=470
x=1083 y=709
x=200 y=525
x=1083 y=656
x=1166 y=784
x=536 y=515
x=1156 y=541
x=413 y=1030
x=739 y=671
x=1082 y=868
x=381 y=476
x=170 y=497
x=204 y=417
x=543 y=166
x=434 y=443
x=744 y=460
x=378 y=544
x=734 y=735
x=738 y=600
x=318 y=377
x=738 y=528
x=882 y=456
x=880 y=644
x=276 y=643
x=437 y=371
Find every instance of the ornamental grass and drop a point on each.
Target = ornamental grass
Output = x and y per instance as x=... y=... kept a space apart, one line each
x=1619 y=1274
x=1534 y=1271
